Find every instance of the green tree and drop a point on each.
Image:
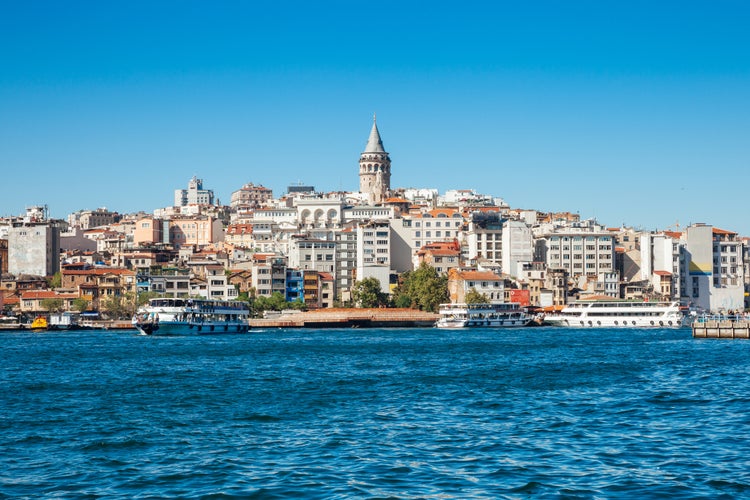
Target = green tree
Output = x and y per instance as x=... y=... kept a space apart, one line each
x=80 y=304
x=144 y=297
x=52 y=305
x=423 y=288
x=474 y=297
x=56 y=280
x=276 y=302
x=118 y=306
x=367 y=293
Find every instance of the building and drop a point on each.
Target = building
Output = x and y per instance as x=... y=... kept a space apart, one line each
x=375 y=169
x=196 y=231
x=443 y=256
x=99 y=283
x=269 y=275
x=580 y=251
x=460 y=282
x=374 y=253
x=3 y=256
x=34 y=245
x=35 y=301
x=517 y=247
x=712 y=271
x=194 y=194
x=87 y=219
x=660 y=263
x=250 y=196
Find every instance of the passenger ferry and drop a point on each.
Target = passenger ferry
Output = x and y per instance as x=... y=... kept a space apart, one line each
x=192 y=317
x=482 y=315
x=618 y=313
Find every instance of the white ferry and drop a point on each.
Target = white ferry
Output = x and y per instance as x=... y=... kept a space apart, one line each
x=482 y=315
x=192 y=317
x=618 y=313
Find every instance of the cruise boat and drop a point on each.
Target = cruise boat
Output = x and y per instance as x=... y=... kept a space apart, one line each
x=482 y=315
x=618 y=313
x=167 y=316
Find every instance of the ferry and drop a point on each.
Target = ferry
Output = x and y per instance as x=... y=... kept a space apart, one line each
x=482 y=315
x=618 y=313
x=168 y=316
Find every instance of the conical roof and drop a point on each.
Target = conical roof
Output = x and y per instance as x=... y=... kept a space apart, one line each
x=374 y=143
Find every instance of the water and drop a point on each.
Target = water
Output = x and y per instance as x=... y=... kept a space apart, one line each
x=368 y=413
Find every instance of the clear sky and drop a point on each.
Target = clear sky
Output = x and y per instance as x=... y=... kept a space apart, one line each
x=635 y=113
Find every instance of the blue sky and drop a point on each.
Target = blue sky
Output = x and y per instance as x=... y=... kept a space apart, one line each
x=635 y=113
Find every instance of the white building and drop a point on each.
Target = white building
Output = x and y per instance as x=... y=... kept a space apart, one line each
x=34 y=245
x=712 y=270
x=660 y=263
x=517 y=247
x=373 y=253
x=194 y=194
x=580 y=251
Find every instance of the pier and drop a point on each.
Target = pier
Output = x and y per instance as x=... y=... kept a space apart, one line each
x=721 y=327
x=350 y=318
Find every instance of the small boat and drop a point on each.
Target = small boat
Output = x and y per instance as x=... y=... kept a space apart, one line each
x=488 y=315
x=192 y=317
x=618 y=313
x=39 y=324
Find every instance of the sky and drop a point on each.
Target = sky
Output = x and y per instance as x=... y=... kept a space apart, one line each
x=634 y=113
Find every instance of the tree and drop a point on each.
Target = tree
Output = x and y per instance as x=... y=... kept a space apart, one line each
x=144 y=297
x=118 y=306
x=56 y=280
x=423 y=289
x=474 y=297
x=367 y=293
x=276 y=302
x=80 y=304
x=52 y=305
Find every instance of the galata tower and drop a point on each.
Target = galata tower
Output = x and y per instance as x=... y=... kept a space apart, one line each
x=375 y=169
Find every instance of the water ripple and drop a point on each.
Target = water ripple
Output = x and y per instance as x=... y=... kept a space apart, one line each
x=542 y=413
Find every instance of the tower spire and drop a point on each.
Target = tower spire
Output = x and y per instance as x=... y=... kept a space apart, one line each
x=374 y=143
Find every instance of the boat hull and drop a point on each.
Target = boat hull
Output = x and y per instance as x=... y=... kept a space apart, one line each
x=184 y=328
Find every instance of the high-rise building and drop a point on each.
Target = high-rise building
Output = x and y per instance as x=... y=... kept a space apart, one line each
x=194 y=194
x=375 y=169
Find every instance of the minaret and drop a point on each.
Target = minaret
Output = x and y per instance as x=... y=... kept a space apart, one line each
x=375 y=168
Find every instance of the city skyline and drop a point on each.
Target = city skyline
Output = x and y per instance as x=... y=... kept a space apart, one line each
x=633 y=114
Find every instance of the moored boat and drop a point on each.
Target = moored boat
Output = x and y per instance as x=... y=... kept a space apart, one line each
x=618 y=313
x=489 y=315
x=169 y=316
x=10 y=323
x=39 y=324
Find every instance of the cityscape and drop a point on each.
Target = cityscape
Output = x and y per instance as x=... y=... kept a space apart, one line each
x=313 y=247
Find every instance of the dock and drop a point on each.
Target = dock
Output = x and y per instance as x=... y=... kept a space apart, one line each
x=721 y=327
x=350 y=318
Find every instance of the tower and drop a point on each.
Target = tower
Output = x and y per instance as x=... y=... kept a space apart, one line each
x=375 y=168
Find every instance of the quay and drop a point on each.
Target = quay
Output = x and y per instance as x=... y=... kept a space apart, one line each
x=350 y=318
x=721 y=327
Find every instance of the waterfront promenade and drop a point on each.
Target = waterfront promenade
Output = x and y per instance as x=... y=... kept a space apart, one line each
x=718 y=326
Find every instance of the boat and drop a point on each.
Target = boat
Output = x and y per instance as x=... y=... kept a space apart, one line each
x=10 y=323
x=39 y=324
x=618 y=313
x=170 y=316
x=492 y=315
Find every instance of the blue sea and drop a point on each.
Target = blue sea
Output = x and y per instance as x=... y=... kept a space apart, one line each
x=375 y=413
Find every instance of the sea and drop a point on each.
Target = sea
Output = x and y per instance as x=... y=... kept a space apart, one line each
x=375 y=414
